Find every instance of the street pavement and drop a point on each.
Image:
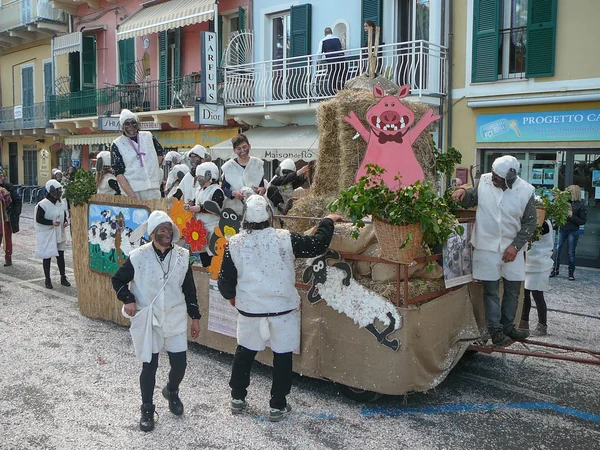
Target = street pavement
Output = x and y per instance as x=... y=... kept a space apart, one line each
x=70 y=382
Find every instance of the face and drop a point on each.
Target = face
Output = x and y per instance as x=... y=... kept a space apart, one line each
x=242 y=150
x=2 y=177
x=130 y=128
x=366 y=27
x=195 y=160
x=498 y=181
x=58 y=176
x=163 y=234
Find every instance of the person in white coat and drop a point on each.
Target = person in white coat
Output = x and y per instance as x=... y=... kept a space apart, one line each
x=538 y=265
x=157 y=289
x=179 y=183
x=207 y=177
x=106 y=182
x=136 y=159
x=505 y=221
x=244 y=171
x=257 y=276
x=51 y=238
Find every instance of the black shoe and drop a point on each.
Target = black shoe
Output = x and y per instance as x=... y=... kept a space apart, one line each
x=499 y=338
x=7 y=262
x=49 y=284
x=175 y=405
x=147 y=417
x=518 y=335
x=571 y=276
x=64 y=281
x=554 y=273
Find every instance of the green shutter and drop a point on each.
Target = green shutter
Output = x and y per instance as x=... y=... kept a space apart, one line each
x=372 y=10
x=541 y=38
x=163 y=99
x=300 y=26
x=486 y=40
x=74 y=72
x=241 y=19
x=89 y=62
x=177 y=56
x=127 y=61
x=27 y=95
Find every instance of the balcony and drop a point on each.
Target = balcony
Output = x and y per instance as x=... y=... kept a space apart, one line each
x=29 y=20
x=29 y=120
x=311 y=78
x=163 y=101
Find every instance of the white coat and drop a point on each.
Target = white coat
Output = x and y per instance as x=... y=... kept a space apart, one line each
x=50 y=239
x=104 y=187
x=538 y=262
x=239 y=177
x=140 y=178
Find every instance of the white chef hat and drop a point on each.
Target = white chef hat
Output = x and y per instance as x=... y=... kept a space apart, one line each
x=127 y=115
x=288 y=164
x=55 y=171
x=503 y=164
x=158 y=217
x=174 y=172
x=257 y=209
x=198 y=150
x=105 y=157
x=174 y=157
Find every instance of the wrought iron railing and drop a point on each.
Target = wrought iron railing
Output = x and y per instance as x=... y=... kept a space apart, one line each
x=512 y=53
x=34 y=116
x=138 y=97
x=315 y=77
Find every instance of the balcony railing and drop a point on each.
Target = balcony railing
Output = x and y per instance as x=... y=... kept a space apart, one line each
x=19 y=13
x=313 y=77
x=33 y=117
x=138 y=97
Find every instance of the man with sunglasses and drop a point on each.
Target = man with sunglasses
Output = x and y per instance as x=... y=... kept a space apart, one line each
x=244 y=171
x=136 y=159
x=505 y=221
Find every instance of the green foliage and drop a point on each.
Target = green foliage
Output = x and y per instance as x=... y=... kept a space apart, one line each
x=556 y=204
x=414 y=204
x=79 y=190
x=446 y=162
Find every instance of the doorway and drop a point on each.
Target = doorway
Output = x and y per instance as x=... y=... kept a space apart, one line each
x=13 y=162
x=280 y=50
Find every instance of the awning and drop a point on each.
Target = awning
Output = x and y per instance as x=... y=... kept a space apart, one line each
x=91 y=139
x=295 y=142
x=67 y=43
x=165 y=16
x=207 y=137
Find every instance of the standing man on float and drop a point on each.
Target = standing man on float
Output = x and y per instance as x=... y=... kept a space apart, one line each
x=505 y=221
x=136 y=159
x=244 y=171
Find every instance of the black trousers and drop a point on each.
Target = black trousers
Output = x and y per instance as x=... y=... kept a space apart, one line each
x=540 y=304
x=178 y=363
x=282 y=376
x=60 y=261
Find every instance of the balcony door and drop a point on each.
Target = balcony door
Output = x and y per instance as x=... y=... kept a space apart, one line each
x=280 y=51
x=27 y=95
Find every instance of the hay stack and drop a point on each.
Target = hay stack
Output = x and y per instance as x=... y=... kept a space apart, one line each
x=311 y=205
x=365 y=83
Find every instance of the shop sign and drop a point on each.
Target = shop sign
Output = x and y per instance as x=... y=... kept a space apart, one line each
x=208 y=75
x=112 y=124
x=582 y=125
x=209 y=114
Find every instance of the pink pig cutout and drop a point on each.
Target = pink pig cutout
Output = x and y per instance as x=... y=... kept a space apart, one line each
x=390 y=140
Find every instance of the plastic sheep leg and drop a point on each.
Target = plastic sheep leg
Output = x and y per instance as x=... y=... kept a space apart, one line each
x=382 y=337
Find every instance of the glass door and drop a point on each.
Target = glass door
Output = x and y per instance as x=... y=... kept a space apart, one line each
x=280 y=44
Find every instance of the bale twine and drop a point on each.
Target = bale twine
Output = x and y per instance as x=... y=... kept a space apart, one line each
x=96 y=297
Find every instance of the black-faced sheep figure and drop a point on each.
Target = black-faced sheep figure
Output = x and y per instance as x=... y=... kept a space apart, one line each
x=317 y=271
x=229 y=223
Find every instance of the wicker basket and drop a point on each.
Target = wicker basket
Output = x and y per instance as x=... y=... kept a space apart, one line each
x=391 y=237
x=541 y=216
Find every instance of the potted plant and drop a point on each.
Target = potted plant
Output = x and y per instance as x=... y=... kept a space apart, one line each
x=402 y=218
x=554 y=206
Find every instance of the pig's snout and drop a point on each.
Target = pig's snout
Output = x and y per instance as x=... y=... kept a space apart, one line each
x=391 y=117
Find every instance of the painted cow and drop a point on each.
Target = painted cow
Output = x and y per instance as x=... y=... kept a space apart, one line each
x=390 y=138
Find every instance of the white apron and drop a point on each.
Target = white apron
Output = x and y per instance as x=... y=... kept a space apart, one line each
x=488 y=266
x=282 y=333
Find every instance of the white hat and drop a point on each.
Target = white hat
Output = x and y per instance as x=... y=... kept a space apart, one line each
x=198 y=150
x=53 y=183
x=158 y=217
x=174 y=172
x=127 y=115
x=173 y=156
x=55 y=171
x=208 y=167
x=257 y=209
x=105 y=157
x=503 y=164
x=288 y=164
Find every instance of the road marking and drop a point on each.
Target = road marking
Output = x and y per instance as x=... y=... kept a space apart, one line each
x=480 y=407
x=29 y=284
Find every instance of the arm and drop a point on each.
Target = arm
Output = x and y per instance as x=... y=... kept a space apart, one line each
x=427 y=119
x=125 y=185
x=311 y=246
x=114 y=184
x=355 y=122
x=284 y=179
x=189 y=291
x=226 y=187
x=467 y=197
x=580 y=217
x=118 y=166
x=528 y=224
x=39 y=217
x=120 y=282
x=160 y=151
x=227 y=276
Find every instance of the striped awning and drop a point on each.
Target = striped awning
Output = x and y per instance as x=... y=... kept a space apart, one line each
x=67 y=43
x=166 y=16
x=91 y=139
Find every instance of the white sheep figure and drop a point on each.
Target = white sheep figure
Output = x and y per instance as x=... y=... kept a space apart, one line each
x=336 y=286
x=107 y=237
x=126 y=245
x=94 y=234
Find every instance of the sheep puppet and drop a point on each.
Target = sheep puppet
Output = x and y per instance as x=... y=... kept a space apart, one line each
x=334 y=284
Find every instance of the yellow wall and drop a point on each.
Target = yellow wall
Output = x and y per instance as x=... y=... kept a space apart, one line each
x=459 y=48
x=465 y=128
x=10 y=72
x=44 y=157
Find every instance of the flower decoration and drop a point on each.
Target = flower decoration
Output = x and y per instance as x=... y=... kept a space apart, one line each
x=179 y=215
x=194 y=234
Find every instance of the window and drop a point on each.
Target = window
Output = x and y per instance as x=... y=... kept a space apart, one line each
x=30 y=167
x=513 y=39
x=280 y=41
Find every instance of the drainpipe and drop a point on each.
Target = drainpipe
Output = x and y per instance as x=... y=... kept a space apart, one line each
x=450 y=52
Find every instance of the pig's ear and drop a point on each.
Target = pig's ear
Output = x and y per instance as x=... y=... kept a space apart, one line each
x=404 y=90
x=378 y=91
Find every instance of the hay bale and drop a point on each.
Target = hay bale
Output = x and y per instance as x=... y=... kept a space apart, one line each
x=416 y=287
x=310 y=206
x=327 y=167
x=364 y=83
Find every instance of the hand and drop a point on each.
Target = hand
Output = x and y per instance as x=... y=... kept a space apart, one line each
x=510 y=254
x=570 y=211
x=459 y=194
x=129 y=309
x=232 y=301
x=303 y=170
x=56 y=223
x=195 y=328
x=238 y=195
x=194 y=209
x=335 y=217
x=260 y=190
x=66 y=223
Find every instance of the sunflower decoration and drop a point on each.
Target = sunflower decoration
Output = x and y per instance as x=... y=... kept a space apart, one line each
x=194 y=234
x=179 y=215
